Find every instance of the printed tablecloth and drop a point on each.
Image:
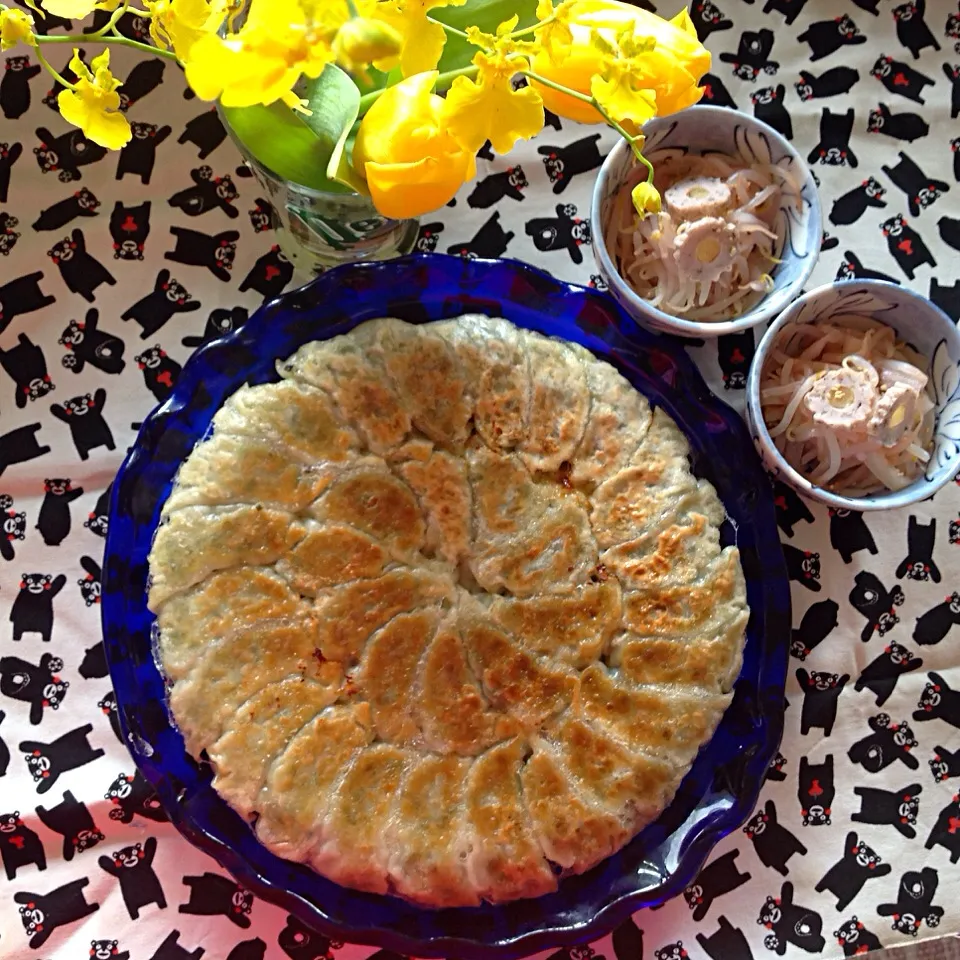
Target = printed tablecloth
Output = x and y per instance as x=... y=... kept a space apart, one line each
x=856 y=836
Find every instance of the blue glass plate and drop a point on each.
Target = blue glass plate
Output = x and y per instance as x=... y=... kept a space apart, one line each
x=722 y=787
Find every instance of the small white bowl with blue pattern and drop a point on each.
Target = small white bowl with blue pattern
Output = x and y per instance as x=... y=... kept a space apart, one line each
x=917 y=322
x=716 y=130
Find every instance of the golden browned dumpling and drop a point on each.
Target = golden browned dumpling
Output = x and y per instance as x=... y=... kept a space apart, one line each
x=446 y=608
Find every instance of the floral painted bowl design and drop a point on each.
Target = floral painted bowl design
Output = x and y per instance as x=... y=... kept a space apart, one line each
x=916 y=321
x=716 y=129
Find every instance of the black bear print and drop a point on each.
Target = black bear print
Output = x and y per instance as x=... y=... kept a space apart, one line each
x=84 y=416
x=10 y=153
x=876 y=603
x=27 y=367
x=718 y=877
x=160 y=372
x=254 y=949
x=880 y=676
x=955 y=149
x=13 y=526
x=53 y=521
x=427 y=237
x=816 y=791
x=270 y=274
x=19 y=845
x=484 y=153
x=494 y=187
x=489 y=241
x=952 y=29
x=830 y=83
x=884 y=744
x=922 y=191
x=90 y=586
x=753 y=55
x=821 y=690
x=728 y=943
x=15 y=86
x=94 y=663
x=768 y=107
x=899 y=77
x=196 y=249
x=107 y=949
x=108 y=706
x=944 y=764
x=566 y=232
x=855 y=938
x=912 y=31
x=914 y=904
x=849 y=534
x=564 y=953
x=774 y=843
x=597 y=282
x=734 y=354
x=708 y=18
x=144 y=78
x=21 y=296
x=900 y=126
x=671 y=951
x=42 y=913
x=948 y=300
x=66 y=154
x=938 y=702
x=85 y=344
x=4 y=751
x=627 y=940
x=8 y=235
x=949 y=231
x=791 y=9
x=853 y=269
x=300 y=942
x=564 y=163
x=20 y=445
x=130 y=25
x=220 y=322
x=828 y=36
x=715 y=94
x=834 y=146
x=98 y=519
x=156 y=308
x=790 y=923
x=851 y=206
x=82 y=203
x=918 y=563
x=790 y=506
x=46 y=761
x=133 y=868
x=81 y=272
x=71 y=819
x=946 y=831
x=857 y=864
x=951 y=72
x=213 y=895
x=129 y=228
x=138 y=156
x=262 y=216
x=897 y=808
x=37 y=684
x=130 y=795
x=32 y=610
x=205 y=131
x=803 y=566
x=935 y=624
x=775 y=770
x=170 y=949
x=207 y=193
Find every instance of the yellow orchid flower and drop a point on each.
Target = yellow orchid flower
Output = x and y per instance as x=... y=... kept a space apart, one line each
x=622 y=98
x=363 y=40
x=179 y=24
x=645 y=198
x=555 y=35
x=16 y=26
x=93 y=103
x=422 y=39
x=410 y=162
x=77 y=9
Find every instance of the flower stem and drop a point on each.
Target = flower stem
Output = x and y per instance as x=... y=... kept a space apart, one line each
x=632 y=139
x=109 y=26
x=443 y=82
x=115 y=41
x=446 y=26
x=54 y=73
x=523 y=31
x=530 y=75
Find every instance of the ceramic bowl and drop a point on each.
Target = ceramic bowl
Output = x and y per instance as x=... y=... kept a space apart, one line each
x=916 y=321
x=716 y=129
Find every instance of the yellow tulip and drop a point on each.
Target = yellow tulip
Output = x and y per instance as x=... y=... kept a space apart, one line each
x=600 y=31
x=15 y=26
x=93 y=103
x=411 y=164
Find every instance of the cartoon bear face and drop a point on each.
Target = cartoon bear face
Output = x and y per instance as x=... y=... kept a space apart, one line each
x=38 y=387
x=13 y=526
x=63 y=251
x=120 y=789
x=128 y=250
x=32 y=918
x=10 y=822
x=898 y=654
x=811 y=566
x=954 y=531
x=143 y=131
x=865 y=857
x=894 y=226
x=883 y=67
x=16 y=64
x=79 y=406
x=151 y=358
x=926 y=196
x=58 y=487
x=709 y=12
x=693 y=895
x=954 y=600
x=909 y=808
x=38 y=764
x=824 y=681
x=756 y=825
x=128 y=857
x=849 y=931
x=875 y=121
x=517 y=178
x=672 y=951
x=554 y=167
x=72 y=336
x=108 y=704
x=103 y=949
x=241 y=902
x=903 y=736
x=224 y=253
x=904 y=12
x=846 y=27
x=764 y=96
x=226 y=190
x=175 y=292
x=35 y=583
x=816 y=815
x=86 y=200
x=906 y=923
x=930 y=697
x=85 y=839
x=770 y=914
x=939 y=768
x=90 y=590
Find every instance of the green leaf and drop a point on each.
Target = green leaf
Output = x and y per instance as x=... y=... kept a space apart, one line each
x=485 y=14
x=340 y=167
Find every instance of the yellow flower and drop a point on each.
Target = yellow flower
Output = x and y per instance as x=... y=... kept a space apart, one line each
x=410 y=162
x=280 y=40
x=77 y=9
x=422 y=39
x=555 y=35
x=92 y=104
x=604 y=30
x=179 y=24
x=645 y=198
x=15 y=26
x=622 y=99
x=361 y=41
